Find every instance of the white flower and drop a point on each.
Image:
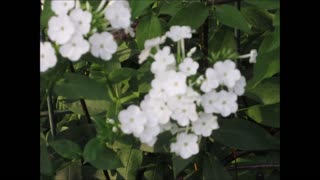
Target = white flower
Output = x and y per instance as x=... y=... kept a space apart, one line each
x=156 y=110
x=185 y=113
x=186 y=145
x=211 y=82
x=103 y=45
x=191 y=52
x=132 y=120
x=178 y=33
x=175 y=83
x=48 y=57
x=239 y=87
x=130 y=31
x=118 y=13
x=60 y=7
x=205 y=124
x=227 y=72
x=75 y=48
x=149 y=134
x=189 y=97
x=60 y=29
x=222 y=102
x=188 y=66
x=169 y=126
x=163 y=60
x=144 y=55
x=81 y=20
x=253 y=56
x=150 y=43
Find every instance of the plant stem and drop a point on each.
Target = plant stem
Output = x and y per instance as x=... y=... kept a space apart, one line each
x=51 y=115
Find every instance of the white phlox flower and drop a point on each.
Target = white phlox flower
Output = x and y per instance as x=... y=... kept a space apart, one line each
x=103 y=45
x=48 y=58
x=163 y=61
x=189 y=66
x=61 y=7
x=149 y=134
x=154 y=42
x=118 y=13
x=132 y=120
x=239 y=87
x=75 y=48
x=144 y=55
x=191 y=52
x=227 y=72
x=185 y=146
x=60 y=29
x=81 y=20
x=178 y=33
x=205 y=124
x=211 y=82
x=185 y=113
x=252 y=56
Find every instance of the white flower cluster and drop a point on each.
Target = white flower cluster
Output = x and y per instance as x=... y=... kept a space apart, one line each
x=71 y=25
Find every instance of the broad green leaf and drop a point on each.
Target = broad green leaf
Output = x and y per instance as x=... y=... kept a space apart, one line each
x=148 y=27
x=180 y=164
x=123 y=53
x=139 y=6
x=66 y=148
x=258 y=18
x=71 y=172
x=46 y=14
x=232 y=17
x=213 y=169
x=114 y=110
x=132 y=159
x=192 y=15
x=94 y=106
x=97 y=154
x=265 y=4
x=163 y=142
x=276 y=19
x=222 y=39
x=268 y=115
x=244 y=135
x=89 y=172
x=75 y=86
x=267 y=92
x=122 y=74
x=170 y=7
x=268 y=64
x=46 y=167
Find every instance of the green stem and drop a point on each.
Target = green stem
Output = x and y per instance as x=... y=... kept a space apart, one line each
x=178 y=53
x=183 y=49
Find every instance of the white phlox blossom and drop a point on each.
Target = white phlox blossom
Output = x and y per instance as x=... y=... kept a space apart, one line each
x=227 y=72
x=252 y=56
x=154 y=42
x=75 y=48
x=149 y=134
x=48 y=58
x=163 y=61
x=178 y=33
x=103 y=45
x=211 y=82
x=132 y=120
x=189 y=66
x=60 y=29
x=185 y=113
x=185 y=146
x=239 y=87
x=118 y=13
x=205 y=124
x=81 y=20
x=60 y=7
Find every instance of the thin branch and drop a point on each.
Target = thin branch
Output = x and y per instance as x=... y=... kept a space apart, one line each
x=254 y=166
x=51 y=116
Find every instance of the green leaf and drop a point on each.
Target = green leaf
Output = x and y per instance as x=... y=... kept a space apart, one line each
x=170 y=7
x=232 y=17
x=138 y=7
x=46 y=14
x=66 y=148
x=97 y=154
x=268 y=64
x=192 y=15
x=258 y=18
x=213 y=169
x=89 y=172
x=222 y=39
x=71 y=172
x=179 y=164
x=276 y=19
x=267 y=92
x=268 y=115
x=46 y=167
x=132 y=159
x=123 y=53
x=265 y=4
x=148 y=27
x=122 y=74
x=75 y=86
x=94 y=106
x=114 y=110
x=244 y=135
x=163 y=142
